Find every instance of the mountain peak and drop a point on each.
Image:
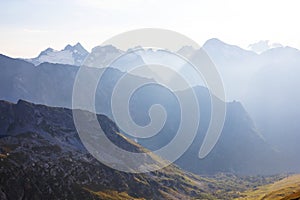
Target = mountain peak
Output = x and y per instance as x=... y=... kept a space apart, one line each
x=72 y=55
x=218 y=49
x=217 y=43
x=77 y=48
x=46 y=51
x=78 y=45
x=68 y=47
x=214 y=41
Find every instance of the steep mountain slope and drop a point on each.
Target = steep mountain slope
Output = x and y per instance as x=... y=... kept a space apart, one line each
x=240 y=149
x=49 y=84
x=223 y=52
x=234 y=64
x=42 y=157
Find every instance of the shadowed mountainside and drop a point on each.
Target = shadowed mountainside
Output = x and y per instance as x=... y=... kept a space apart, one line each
x=43 y=157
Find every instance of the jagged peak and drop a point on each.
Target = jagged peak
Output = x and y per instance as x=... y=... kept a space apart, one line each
x=49 y=49
x=78 y=44
x=68 y=47
x=77 y=47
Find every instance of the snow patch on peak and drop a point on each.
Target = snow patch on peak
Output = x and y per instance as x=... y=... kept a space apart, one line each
x=77 y=48
x=263 y=45
x=72 y=55
x=61 y=57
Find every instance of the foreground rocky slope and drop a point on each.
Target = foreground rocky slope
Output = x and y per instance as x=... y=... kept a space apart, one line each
x=42 y=158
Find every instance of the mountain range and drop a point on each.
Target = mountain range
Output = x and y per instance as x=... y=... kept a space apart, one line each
x=264 y=79
x=52 y=84
x=261 y=82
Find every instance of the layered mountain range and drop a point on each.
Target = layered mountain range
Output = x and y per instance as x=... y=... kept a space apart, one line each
x=52 y=84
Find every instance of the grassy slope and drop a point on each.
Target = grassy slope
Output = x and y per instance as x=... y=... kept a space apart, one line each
x=113 y=195
x=285 y=189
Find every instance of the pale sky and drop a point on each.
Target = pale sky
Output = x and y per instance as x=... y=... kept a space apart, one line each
x=30 y=26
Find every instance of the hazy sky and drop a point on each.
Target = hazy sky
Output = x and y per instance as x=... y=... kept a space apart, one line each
x=29 y=26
